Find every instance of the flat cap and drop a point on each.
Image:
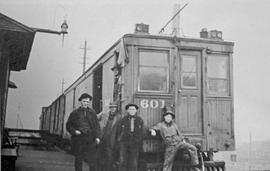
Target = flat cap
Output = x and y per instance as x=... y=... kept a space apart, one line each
x=131 y=104
x=169 y=112
x=85 y=96
x=113 y=104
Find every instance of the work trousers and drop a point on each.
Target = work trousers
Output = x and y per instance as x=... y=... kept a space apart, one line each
x=110 y=158
x=79 y=163
x=128 y=157
x=171 y=151
x=89 y=154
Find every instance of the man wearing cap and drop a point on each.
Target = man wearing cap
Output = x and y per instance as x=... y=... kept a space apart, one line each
x=108 y=122
x=84 y=128
x=130 y=138
x=173 y=141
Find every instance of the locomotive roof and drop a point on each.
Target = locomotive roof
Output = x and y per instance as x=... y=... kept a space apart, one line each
x=188 y=39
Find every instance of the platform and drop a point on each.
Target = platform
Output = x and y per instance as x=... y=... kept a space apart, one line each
x=37 y=160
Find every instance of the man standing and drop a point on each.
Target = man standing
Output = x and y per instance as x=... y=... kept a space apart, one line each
x=130 y=138
x=84 y=128
x=109 y=122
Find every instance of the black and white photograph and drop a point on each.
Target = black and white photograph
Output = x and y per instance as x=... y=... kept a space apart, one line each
x=132 y=85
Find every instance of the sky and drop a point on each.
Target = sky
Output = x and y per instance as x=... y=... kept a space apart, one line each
x=103 y=22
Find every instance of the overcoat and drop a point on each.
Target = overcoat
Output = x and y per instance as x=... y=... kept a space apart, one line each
x=103 y=119
x=108 y=148
x=84 y=120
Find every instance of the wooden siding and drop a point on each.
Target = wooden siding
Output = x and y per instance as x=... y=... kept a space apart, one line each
x=151 y=115
x=68 y=110
x=189 y=117
x=52 y=120
x=220 y=124
x=61 y=115
x=127 y=79
x=47 y=122
x=56 y=116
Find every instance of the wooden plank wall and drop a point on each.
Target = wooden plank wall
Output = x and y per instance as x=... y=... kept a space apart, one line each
x=220 y=124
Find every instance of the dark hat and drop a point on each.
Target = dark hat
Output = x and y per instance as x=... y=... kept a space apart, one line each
x=169 y=112
x=113 y=104
x=131 y=104
x=85 y=96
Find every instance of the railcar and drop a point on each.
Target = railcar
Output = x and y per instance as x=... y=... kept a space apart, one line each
x=191 y=76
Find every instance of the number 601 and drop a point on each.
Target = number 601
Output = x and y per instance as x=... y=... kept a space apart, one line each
x=153 y=103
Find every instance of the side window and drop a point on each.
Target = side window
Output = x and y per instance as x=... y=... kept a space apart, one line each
x=218 y=75
x=189 y=72
x=153 y=70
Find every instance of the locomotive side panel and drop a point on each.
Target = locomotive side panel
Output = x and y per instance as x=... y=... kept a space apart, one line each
x=56 y=126
x=52 y=118
x=61 y=115
x=69 y=106
x=127 y=79
x=220 y=134
x=47 y=119
x=108 y=83
x=219 y=101
x=151 y=110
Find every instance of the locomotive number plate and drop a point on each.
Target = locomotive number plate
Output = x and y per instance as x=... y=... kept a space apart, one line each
x=153 y=103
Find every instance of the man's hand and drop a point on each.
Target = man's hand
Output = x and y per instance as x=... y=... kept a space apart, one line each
x=153 y=132
x=97 y=140
x=77 y=132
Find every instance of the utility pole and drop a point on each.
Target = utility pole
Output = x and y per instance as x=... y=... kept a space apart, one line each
x=19 y=121
x=84 y=55
x=63 y=84
x=250 y=151
x=18 y=116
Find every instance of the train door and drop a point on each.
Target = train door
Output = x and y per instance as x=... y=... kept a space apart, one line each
x=97 y=89
x=189 y=103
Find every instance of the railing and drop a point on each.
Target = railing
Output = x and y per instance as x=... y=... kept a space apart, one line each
x=208 y=166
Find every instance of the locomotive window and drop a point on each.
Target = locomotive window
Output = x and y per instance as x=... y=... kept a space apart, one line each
x=218 y=75
x=189 y=72
x=153 y=70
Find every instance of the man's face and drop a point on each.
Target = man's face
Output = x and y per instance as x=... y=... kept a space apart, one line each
x=168 y=118
x=132 y=110
x=85 y=102
x=113 y=109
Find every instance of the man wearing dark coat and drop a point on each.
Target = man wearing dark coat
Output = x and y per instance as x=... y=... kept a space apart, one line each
x=84 y=128
x=130 y=138
x=109 y=122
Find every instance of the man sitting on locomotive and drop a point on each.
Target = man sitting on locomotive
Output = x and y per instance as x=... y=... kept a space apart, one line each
x=173 y=141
